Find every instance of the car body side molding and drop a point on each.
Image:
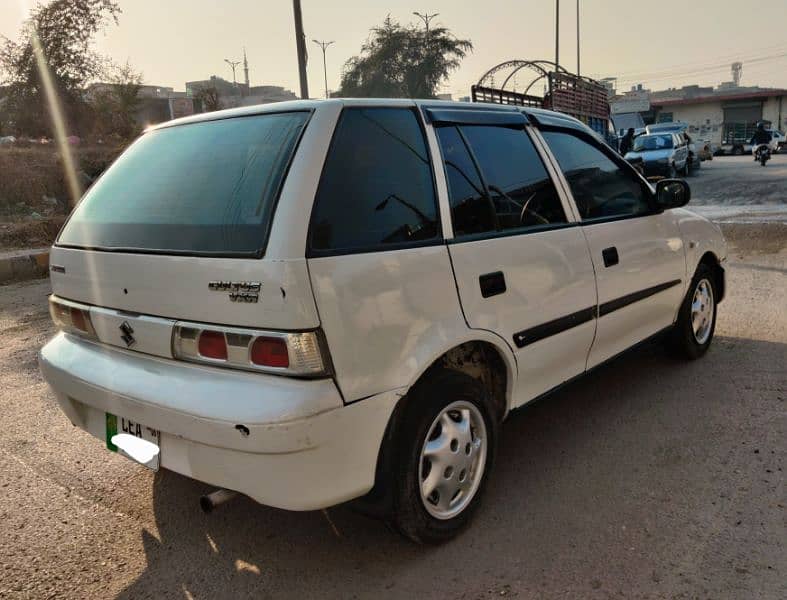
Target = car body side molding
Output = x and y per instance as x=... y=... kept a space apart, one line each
x=544 y=330
x=550 y=328
x=623 y=301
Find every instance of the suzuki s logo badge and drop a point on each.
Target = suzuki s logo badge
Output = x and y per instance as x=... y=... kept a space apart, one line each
x=127 y=332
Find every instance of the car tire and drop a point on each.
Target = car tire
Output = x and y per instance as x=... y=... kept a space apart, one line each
x=693 y=331
x=685 y=170
x=446 y=443
x=673 y=172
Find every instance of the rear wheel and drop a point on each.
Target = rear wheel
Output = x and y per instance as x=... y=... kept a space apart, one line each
x=693 y=331
x=445 y=452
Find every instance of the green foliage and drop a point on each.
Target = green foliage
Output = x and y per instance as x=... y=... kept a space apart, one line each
x=209 y=98
x=115 y=105
x=403 y=61
x=65 y=30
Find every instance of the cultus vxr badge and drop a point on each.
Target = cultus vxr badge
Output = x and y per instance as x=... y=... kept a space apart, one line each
x=127 y=332
x=239 y=291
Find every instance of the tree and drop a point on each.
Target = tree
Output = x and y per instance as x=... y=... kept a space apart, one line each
x=208 y=96
x=65 y=30
x=403 y=61
x=115 y=105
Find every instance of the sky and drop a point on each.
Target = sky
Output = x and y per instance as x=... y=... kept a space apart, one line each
x=660 y=44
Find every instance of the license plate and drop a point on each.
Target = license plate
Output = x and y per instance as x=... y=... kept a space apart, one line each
x=120 y=428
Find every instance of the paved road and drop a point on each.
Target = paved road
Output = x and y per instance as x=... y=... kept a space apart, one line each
x=650 y=478
x=736 y=189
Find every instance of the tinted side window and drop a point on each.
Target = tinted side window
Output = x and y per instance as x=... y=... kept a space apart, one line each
x=376 y=187
x=600 y=188
x=471 y=211
x=516 y=191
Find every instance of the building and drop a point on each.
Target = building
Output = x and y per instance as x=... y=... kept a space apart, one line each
x=708 y=115
x=223 y=87
x=157 y=103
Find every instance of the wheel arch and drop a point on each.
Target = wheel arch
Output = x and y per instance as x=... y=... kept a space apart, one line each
x=710 y=259
x=483 y=356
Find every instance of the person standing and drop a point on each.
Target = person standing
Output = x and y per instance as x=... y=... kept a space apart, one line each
x=626 y=142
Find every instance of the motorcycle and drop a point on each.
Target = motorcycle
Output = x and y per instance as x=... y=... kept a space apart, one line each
x=762 y=153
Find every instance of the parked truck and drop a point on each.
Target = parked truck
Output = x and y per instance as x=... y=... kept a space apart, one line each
x=581 y=97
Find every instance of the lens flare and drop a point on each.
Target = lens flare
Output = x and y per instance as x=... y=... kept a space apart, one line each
x=58 y=121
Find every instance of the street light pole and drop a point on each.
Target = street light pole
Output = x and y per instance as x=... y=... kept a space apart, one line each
x=557 y=33
x=577 y=38
x=300 y=42
x=233 y=65
x=324 y=46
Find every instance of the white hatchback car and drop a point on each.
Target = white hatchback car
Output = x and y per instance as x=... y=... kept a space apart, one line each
x=311 y=302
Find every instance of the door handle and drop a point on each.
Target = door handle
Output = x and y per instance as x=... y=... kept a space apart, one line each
x=610 y=256
x=492 y=284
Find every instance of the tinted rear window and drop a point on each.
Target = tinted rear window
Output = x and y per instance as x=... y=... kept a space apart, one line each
x=207 y=187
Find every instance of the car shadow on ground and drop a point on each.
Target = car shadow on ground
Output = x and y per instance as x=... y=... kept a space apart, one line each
x=618 y=447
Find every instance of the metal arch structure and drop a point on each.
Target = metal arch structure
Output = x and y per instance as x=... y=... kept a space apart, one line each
x=542 y=68
x=581 y=97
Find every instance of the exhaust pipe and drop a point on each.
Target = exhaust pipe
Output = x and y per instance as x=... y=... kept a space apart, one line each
x=210 y=501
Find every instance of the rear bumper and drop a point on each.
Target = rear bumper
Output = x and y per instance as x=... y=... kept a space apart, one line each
x=304 y=449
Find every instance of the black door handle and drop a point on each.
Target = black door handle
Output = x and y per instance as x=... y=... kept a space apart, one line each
x=492 y=284
x=610 y=256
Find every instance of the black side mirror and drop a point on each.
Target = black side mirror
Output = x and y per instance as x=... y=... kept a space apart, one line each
x=672 y=193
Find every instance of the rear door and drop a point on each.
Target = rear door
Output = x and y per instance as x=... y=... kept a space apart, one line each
x=521 y=262
x=637 y=252
x=379 y=266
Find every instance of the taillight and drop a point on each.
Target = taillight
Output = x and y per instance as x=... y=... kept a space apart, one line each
x=298 y=354
x=270 y=352
x=71 y=317
x=212 y=345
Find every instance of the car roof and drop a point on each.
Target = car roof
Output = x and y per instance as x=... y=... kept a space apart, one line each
x=543 y=116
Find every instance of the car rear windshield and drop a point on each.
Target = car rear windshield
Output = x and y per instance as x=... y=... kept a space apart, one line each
x=652 y=142
x=199 y=188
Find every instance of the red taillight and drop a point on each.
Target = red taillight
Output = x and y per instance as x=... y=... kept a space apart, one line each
x=212 y=345
x=270 y=352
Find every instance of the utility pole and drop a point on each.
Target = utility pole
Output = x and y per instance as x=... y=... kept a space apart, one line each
x=245 y=68
x=324 y=46
x=557 y=33
x=577 y=38
x=300 y=42
x=233 y=65
x=426 y=17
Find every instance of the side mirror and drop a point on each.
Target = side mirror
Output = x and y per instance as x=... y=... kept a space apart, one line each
x=672 y=193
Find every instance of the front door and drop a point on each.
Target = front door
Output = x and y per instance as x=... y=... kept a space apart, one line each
x=637 y=252
x=521 y=261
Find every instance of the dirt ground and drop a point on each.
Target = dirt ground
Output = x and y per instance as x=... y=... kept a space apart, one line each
x=649 y=478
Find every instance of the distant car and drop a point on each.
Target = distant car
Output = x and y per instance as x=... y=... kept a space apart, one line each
x=778 y=140
x=663 y=154
x=7 y=140
x=681 y=129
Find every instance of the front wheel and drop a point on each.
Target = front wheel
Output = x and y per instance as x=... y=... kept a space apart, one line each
x=693 y=331
x=445 y=451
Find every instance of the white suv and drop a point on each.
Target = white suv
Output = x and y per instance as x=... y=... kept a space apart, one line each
x=310 y=302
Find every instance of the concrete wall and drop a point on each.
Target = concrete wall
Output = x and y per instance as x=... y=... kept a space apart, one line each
x=771 y=112
x=705 y=120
